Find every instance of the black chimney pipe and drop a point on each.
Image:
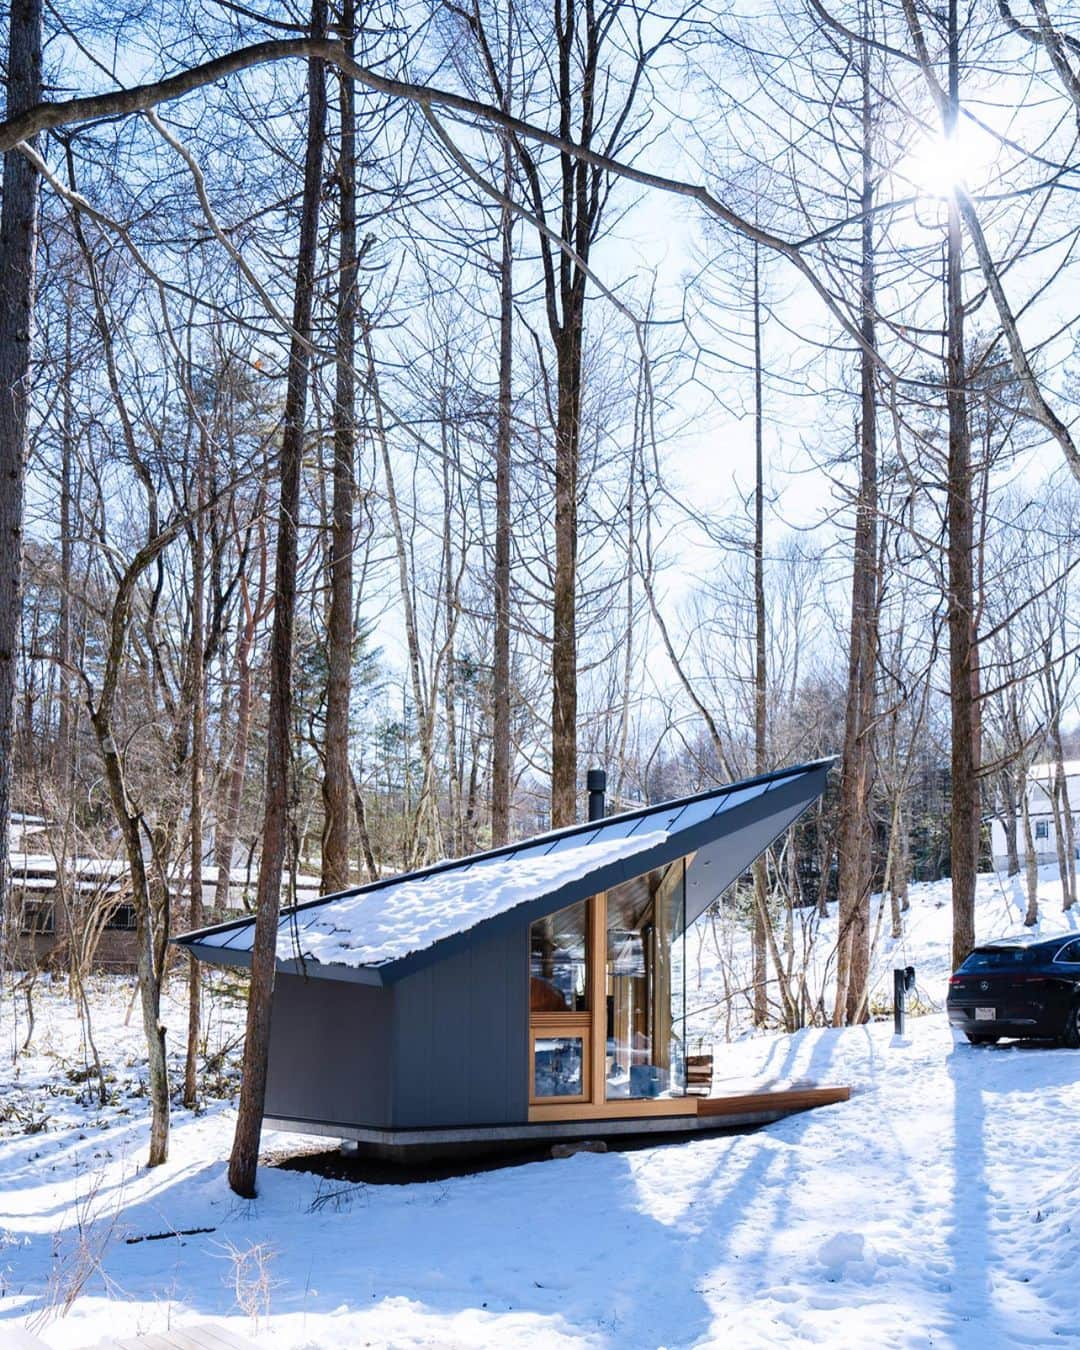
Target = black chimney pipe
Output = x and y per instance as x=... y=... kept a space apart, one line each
x=596 y=782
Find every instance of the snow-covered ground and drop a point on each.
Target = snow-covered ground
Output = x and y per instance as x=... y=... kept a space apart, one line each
x=936 y=1207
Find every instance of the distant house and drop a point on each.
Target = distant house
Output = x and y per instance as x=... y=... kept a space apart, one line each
x=93 y=907
x=1040 y=780
x=43 y=924
x=534 y=990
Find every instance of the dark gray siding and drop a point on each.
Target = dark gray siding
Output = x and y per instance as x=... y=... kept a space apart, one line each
x=329 y=1052
x=461 y=1037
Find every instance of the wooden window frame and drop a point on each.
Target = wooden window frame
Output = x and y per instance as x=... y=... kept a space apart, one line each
x=34 y=909
x=570 y=1026
x=593 y=1103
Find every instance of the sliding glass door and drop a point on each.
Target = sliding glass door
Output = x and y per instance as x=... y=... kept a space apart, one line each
x=608 y=996
x=645 y=986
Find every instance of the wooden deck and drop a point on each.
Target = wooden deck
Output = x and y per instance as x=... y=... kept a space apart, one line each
x=784 y=1101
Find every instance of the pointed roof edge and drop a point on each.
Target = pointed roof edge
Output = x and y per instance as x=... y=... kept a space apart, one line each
x=194 y=938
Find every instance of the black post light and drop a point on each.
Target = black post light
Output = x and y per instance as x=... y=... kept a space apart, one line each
x=903 y=980
x=596 y=782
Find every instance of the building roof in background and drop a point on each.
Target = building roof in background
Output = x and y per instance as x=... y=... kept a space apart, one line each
x=1045 y=772
x=37 y=872
x=378 y=932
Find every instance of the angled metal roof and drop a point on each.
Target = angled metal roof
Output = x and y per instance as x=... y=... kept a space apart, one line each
x=377 y=933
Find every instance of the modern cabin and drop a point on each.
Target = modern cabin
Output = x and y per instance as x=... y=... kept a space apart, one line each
x=534 y=991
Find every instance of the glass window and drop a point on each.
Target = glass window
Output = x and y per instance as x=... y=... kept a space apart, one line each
x=124 y=918
x=558 y=979
x=1000 y=958
x=645 y=986
x=1069 y=953
x=1042 y=829
x=38 y=918
x=559 y=1066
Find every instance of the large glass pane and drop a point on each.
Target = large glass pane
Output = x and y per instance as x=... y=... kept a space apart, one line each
x=559 y=1066
x=557 y=961
x=646 y=986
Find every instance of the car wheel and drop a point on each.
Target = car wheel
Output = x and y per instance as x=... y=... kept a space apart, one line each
x=1070 y=1037
x=984 y=1038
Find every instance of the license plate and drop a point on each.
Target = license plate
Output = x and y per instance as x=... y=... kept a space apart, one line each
x=985 y=1014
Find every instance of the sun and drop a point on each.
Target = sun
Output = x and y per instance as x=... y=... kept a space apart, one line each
x=935 y=164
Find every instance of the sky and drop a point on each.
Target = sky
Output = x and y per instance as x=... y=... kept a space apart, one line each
x=661 y=243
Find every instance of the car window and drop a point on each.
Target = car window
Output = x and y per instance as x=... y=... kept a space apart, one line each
x=1000 y=958
x=1070 y=953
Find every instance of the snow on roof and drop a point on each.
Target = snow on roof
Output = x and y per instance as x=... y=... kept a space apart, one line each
x=386 y=922
x=44 y=865
x=383 y=925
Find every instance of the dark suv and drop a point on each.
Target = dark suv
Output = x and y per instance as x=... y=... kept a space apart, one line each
x=1018 y=988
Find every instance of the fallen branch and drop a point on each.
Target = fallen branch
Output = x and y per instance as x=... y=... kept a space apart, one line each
x=173 y=1233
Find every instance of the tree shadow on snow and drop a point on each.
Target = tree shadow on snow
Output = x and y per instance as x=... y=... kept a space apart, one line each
x=590 y=1246
x=992 y=1298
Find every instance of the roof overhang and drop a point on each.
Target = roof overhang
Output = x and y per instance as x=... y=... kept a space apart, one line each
x=241 y=960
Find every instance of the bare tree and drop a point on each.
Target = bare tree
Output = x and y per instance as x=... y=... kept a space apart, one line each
x=18 y=250
x=336 y=788
x=244 y=1158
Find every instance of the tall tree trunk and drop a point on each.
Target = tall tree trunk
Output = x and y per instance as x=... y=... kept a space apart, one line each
x=500 y=675
x=225 y=839
x=901 y=870
x=243 y=1161
x=761 y=683
x=855 y=831
x=455 y=758
x=965 y=709
x=579 y=35
x=1069 y=884
x=585 y=98
x=426 y=835
x=1009 y=812
x=1031 y=861
x=150 y=888
x=150 y=899
x=1058 y=788
x=339 y=637
x=564 y=598
x=148 y=941
x=502 y=86
x=67 y=720
x=362 y=829
x=198 y=749
x=1057 y=822
x=18 y=250
x=234 y=784
x=64 y=733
